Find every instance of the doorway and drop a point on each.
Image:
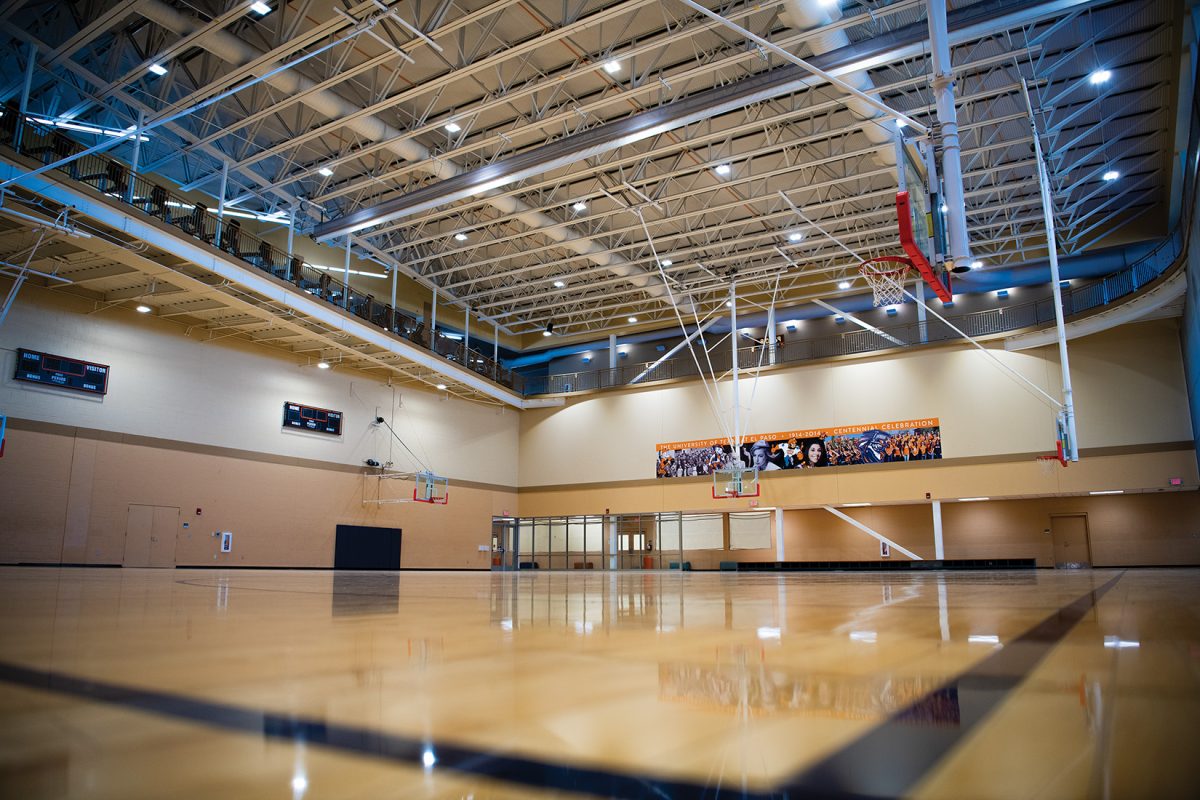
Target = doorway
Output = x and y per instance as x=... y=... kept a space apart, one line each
x=366 y=547
x=1069 y=534
x=150 y=536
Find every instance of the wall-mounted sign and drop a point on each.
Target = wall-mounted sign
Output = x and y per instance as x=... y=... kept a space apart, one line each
x=66 y=373
x=877 y=443
x=311 y=418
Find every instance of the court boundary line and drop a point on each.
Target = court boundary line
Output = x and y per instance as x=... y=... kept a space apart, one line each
x=911 y=750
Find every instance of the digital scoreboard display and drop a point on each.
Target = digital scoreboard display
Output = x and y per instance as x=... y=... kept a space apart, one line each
x=66 y=373
x=310 y=418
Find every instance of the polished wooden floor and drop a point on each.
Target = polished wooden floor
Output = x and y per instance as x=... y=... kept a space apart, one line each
x=274 y=684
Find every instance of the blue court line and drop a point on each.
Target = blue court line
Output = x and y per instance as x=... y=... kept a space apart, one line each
x=887 y=761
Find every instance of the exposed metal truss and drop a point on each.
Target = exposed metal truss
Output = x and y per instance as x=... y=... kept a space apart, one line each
x=334 y=106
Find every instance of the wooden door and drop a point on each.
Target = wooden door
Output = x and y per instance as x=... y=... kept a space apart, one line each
x=1069 y=533
x=164 y=536
x=150 y=535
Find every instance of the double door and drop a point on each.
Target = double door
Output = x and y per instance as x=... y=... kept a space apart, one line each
x=150 y=536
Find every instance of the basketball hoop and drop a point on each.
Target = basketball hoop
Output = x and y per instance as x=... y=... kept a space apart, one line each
x=885 y=275
x=1048 y=463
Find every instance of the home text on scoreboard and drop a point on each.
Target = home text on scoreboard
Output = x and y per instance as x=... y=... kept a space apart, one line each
x=60 y=371
x=311 y=418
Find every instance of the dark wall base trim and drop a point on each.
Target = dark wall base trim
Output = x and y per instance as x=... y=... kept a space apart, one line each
x=886 y=566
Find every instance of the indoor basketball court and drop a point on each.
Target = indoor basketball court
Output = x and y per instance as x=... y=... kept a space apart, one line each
x=613 y=399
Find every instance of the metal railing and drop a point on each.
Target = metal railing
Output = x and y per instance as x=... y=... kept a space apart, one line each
x=1076 y=300
x=115 y=180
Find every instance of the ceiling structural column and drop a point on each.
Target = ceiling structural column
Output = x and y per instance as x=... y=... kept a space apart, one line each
x=612 y=351
x=333 y=106
x=943 y=90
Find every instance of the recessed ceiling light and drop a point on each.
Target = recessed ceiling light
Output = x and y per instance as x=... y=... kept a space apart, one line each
x=143 y=309
x=1099 y=76
x=326 y=171
x=1110 y=491
x=854 y=505
x=972 y=499
x=323 y=364
x=158 y=69
x=612 y=67
x=795 y=236
x=453 y=127
x=559 y=285
x=843 y=284
x=460 y=237
x=1111 y=175
x=722 y=169
x=976 y=265
x=666 y=262
x=260 y=8
x=441 y=386
x=580 y=206
x=633 y=319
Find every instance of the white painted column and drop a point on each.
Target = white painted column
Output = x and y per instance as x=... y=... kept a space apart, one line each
x=779 y=535
x=770 y=335
x=221 y=203
x=346 y=278
x=291 y=233
x=136 y=159
x=922 y=325
x=612 y=351
x=939 y=551
x=612 y=542
x=433 y=321
x=395 y=273
x=496 y=342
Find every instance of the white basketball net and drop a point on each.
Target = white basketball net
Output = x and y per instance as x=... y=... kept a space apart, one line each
x=886 y=281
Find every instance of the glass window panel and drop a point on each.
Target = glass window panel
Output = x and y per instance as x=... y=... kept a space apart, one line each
x=668 y=532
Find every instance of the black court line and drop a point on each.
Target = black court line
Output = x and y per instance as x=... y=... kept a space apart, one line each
x=885 y=762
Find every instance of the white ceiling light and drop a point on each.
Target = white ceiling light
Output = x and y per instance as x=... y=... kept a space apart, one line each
x=729 y=304
x=854 y=505
x=612 y=67
x=441 y=386
x=633 y=319
x=453 y=127
x=795 y=236
x=976 y=265
x=1109 y=491
x=901 y=123
x=666 y=262
x=460 y=237
x=843 y=284
x=326 y=171
x=580 y=205
x=158 y=69
x=323 y=364
x=260 y=8
x=1099 y=76
x=972 y=499
x=143 y=309
x=723 y=169
x=1111 y=175
x=559 y=285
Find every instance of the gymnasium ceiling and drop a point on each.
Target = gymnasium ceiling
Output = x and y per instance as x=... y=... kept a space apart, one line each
x=365 y=91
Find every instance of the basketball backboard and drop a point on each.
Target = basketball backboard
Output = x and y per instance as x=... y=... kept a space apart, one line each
x=919 y=235
x=431 y=488
x=735 y=481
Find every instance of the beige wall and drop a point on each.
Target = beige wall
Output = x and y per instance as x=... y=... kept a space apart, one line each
x=169 y=386
x=1124 y=530
x=1129 y=390
x=66 y=499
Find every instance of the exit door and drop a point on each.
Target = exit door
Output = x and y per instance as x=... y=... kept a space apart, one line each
x=1069 y=533
x=150 y=534
x=504 y=543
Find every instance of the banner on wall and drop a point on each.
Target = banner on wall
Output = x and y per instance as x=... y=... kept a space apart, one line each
x=876 y=443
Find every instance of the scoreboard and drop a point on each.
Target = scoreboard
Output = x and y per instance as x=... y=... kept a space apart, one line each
x=311 y=418
x=66 y=373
